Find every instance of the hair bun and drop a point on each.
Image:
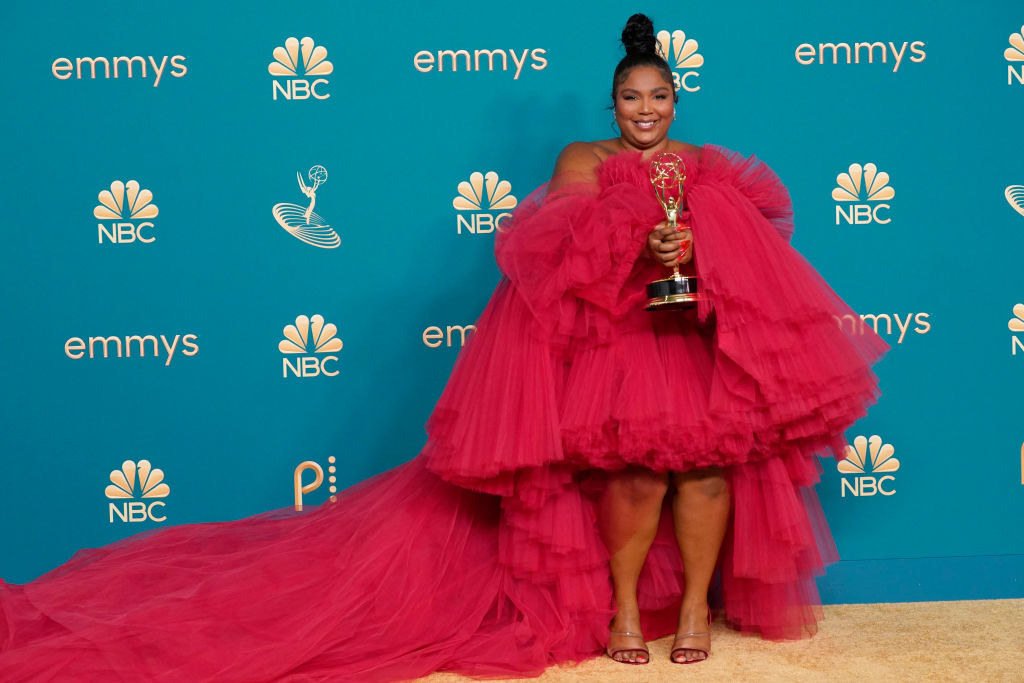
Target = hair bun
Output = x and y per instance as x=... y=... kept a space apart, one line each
x=638 y=35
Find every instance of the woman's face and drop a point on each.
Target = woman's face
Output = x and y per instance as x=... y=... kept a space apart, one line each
x=644 y=108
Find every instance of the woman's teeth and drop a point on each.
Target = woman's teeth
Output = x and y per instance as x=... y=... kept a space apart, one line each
x=645 y=125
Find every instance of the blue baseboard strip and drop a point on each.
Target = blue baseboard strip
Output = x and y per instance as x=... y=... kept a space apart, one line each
x=981 y=577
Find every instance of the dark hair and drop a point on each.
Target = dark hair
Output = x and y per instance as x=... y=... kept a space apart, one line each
x=641 y=50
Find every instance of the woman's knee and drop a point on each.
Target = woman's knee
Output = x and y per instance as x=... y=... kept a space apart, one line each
x=707 y=481
x=639 y=486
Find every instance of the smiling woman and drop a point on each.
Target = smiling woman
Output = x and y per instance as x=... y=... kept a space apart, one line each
x=590 y=465
x=693 y=404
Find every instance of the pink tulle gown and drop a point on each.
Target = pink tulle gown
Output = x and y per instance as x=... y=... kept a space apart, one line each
x=482 y=555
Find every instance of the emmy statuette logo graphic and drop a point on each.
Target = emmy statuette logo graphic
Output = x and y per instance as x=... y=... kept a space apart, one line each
x=487 y=200
x=137 y=481
x=299 y=69
x=871 y=464
x=861 y=194
x=308 y=347
x=301 y=221
x=1016 y=325
x=1015 y=58
x=683 y=58
x=127 y=207
x=1015 y=196
x=301 y=489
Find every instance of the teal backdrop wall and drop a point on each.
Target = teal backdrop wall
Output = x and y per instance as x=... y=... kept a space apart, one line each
x=148 y=320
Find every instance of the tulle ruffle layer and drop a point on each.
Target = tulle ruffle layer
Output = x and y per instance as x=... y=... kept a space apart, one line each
x=399 y=578
x=482 y=556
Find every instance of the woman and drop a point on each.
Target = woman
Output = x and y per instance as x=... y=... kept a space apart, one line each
x=579 y=439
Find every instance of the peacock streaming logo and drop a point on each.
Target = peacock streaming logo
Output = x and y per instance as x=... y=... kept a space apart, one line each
x=302 y=222
x=870 y=465
x=127 y=208
x=1016 y=325
x=861 y=195
x=300 y=489
x=486 y=200
x=137 y=481
x=1015 y=58
x=683 y=58
x=1015 y=196
x=299 y=69
x=308 y=347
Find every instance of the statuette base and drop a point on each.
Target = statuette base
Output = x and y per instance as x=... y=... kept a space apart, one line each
x=672 y=293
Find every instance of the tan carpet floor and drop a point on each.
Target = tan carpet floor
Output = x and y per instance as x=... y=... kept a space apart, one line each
x=978 y=641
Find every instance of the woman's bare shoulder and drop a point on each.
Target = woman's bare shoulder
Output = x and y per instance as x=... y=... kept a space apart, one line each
x=578 y=161
x=580 y=157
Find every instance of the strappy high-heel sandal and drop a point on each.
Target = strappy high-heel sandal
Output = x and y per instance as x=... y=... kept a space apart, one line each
x=707 y=653
x=626 y=650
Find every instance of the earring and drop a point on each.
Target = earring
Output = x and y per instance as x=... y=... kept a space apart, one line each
x=615 y=126
x=673 y=114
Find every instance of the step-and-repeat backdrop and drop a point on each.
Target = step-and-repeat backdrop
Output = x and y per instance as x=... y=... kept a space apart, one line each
x=243 y=244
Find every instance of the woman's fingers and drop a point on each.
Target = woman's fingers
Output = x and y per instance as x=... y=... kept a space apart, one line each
x=671 y=245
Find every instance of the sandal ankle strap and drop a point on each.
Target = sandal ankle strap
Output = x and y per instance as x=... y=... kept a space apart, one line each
x=626 y=633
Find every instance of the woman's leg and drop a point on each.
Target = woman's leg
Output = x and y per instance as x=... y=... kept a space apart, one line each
x=628 y=520
x=701 y=515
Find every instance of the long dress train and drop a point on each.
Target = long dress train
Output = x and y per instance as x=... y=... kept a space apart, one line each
x=482 y=555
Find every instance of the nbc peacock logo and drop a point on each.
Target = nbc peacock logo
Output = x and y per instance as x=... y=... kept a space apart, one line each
x=871 y=464
x=127 y=208
x=486 y=199
x=861 y=195
x=302 y=222
x=300 y=488
x=1015 y=58
x=137 y=481
x=681 y=53
x=309 y=346
x=1015 y=196
x=299 y=68
x=1016 y=325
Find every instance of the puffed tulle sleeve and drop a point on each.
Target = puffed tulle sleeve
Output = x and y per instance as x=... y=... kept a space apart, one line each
x=572 y=261
x=782 y=359
x=574 y=255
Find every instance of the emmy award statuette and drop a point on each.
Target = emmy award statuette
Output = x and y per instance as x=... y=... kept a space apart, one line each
x=668 y=174
x=301 y=221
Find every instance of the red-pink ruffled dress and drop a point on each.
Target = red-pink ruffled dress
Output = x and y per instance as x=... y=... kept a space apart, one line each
x=482 y=555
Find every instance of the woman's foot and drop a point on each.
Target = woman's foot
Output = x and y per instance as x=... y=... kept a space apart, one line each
x=693 y=637
x=625 y=641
